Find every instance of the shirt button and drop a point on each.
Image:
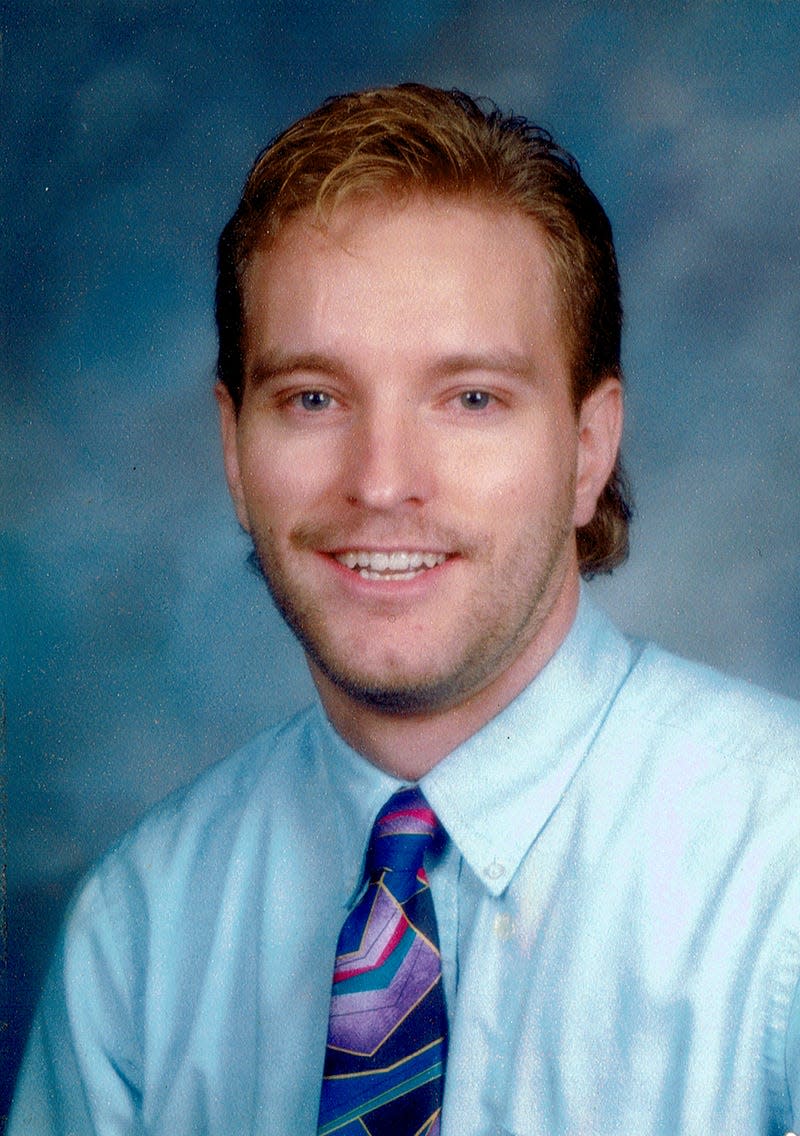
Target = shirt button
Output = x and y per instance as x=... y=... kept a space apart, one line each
x=503 y=927
x=495 y=870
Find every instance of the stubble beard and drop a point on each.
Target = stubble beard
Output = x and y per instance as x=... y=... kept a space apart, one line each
x=489 y=648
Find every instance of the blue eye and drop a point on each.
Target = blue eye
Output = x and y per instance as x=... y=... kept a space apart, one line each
x=315 y=400
x=475 y=400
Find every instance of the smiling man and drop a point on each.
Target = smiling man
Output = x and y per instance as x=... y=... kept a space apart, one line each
x=407 y=457
x=513 y=872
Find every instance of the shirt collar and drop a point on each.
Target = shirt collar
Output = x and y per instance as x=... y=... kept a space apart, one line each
x=357 y=790
x=496 y=791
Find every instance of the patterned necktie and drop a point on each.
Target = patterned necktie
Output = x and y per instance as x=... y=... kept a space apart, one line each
x=387 y=1034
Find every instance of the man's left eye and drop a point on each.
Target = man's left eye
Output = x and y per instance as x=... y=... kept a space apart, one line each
x=475 y=400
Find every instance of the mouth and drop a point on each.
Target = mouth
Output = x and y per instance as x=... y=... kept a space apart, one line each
x=396 y=565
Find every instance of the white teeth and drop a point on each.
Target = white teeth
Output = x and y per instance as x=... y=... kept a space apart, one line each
x=397 y=565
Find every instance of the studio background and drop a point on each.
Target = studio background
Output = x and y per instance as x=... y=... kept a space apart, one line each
x=138 y=647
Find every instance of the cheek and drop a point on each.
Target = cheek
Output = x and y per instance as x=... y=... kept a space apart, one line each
x=521 y=474
x=279 y=482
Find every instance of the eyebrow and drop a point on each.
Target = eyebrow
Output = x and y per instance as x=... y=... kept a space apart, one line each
x=278 y=364
x=515 y=363
x=275 y=364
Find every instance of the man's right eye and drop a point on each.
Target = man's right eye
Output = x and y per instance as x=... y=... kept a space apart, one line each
x=314 y=400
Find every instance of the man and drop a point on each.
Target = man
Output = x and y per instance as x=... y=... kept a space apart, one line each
x=421 y=408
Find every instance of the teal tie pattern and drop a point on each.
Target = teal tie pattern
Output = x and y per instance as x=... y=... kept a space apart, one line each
x=387 y=1032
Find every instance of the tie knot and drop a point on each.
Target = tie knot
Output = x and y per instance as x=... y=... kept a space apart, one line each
x=405 y=827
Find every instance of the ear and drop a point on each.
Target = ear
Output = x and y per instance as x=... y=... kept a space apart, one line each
x=599 y=435
x=229 y=423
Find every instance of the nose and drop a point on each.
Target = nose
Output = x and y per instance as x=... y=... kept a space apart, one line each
x=390 y=462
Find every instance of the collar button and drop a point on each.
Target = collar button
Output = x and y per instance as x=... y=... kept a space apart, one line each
x=504 y=928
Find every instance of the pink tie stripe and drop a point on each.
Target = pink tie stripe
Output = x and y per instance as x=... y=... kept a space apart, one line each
x=420 y=821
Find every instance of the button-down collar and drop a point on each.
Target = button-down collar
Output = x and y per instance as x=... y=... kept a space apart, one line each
x=517 y=767
x=358 y=791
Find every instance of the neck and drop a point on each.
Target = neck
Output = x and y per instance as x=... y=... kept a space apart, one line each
x=409 y=745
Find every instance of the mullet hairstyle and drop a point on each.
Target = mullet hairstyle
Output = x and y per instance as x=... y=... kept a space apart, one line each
x=395 y=142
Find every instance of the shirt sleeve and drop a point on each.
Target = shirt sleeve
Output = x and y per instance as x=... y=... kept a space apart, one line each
x=82 y=1072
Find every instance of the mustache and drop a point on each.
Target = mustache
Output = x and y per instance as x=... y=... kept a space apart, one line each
x=332 y=537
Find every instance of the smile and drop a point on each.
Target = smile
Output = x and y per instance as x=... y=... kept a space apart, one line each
x=398 y=565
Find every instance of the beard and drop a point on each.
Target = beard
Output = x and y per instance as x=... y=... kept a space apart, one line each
x=491 y=634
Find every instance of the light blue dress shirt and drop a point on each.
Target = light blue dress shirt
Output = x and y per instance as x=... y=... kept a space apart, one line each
x=618 y=904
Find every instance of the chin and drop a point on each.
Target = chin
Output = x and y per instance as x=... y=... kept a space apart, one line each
x=403 y=694
x=402 y=700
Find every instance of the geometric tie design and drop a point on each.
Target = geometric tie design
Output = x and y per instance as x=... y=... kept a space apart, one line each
x=387 y=1033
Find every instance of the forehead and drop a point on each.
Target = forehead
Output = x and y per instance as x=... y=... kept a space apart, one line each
x=417 y=228
x=416 y=271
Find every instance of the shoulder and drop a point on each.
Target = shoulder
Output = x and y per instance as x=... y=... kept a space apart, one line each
x=682 y=701
x=275 y=763
x=233 y=807
x=664 y=707
x=704 y=755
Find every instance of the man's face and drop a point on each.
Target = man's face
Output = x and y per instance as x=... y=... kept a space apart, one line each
x=407 y=457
